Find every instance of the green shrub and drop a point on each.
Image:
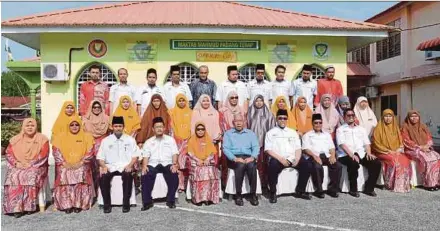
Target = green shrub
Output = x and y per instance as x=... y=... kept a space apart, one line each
x=9 y=130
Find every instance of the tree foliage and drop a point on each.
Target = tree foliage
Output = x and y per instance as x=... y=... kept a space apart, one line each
x=13 y=85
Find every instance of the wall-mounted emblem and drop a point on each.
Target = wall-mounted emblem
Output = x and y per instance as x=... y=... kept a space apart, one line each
x=97 y=48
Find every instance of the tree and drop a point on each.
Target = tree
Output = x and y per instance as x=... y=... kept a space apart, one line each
x=13 y=85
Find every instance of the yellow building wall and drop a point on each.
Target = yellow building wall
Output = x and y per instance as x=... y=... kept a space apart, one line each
x=55 y=49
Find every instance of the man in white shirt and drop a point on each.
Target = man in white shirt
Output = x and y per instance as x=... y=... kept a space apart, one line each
x=283 y=146
x=354 y=149
x=319 y=149
x=280 y=86
x=159 y=156
x=260 y=86
x=144 y=93
x=174 y=87
x=232 y=84
x=120 y=89
x=304 y=86
x=117 y=156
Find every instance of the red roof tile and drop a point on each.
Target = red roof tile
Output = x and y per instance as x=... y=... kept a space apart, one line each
x=14 y=101
x=180 y=14
x=430 y=44
x=358 y=69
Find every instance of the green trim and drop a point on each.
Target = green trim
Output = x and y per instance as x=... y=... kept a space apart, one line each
x=23 y=65
x=254 y=64
x=318 y=65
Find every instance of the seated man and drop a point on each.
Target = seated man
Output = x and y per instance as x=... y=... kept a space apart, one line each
x=283 y=146
x=240 y=145
x=117 y=156
x=354 y=149
x=159 y=156
x=319 y=149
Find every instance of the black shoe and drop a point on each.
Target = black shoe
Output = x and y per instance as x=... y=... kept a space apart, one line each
x=431 y=189
x=18 y=215
x=68 y=211
x=76 y=210
x=147 y=206
x=239 y=200
x=125 y=209
x=304 y=196
x=333 y=194
x=254 y=200
x=354 y=194
x=171 y=205
x=273 y=198
x=371 y=194
x=199 y=204
x=107 y=209
x=319 y=195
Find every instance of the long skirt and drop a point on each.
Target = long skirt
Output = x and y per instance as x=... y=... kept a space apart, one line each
x=428 y=164
x=182 y=146
x=73 y=196
x=397 y=172
x=204 y=181
x=262 y=163
x=20 y=198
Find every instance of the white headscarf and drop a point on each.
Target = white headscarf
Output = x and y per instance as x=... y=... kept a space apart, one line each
x=366 y=117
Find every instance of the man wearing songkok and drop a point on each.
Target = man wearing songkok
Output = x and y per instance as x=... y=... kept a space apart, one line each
x=174 y=87
x=260 y=86
x=145 y=93
x=232 y=84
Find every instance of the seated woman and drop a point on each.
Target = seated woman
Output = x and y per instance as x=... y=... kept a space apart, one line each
x=330 y=116
x=67 y=111
x=343 y=104
x=157 y=108
x=203 y=175
x=303 y=116
x=26 y=157
x=364 y=115
x=260 y=120
x=131 y=117
x=417 y=140
x=73 y=186
x=281 y=103
x=229 y=109
x=180 y=124
x=387 y=145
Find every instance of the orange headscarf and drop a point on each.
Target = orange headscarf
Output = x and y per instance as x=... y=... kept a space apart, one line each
x=25 y=148
x=291 y=122
x=60 y=124
x=201 y=147
x=73 y=147
x=419 y=132
x=303 y=118
x=181 y=119
x=147 y=119
x=97 y=125
x=132 y=122
x=386 y=137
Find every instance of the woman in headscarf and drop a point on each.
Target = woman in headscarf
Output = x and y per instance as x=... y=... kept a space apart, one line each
x=180 y=123
x=417 y=140
x=67 y=111
x=203 y=174
x=303 y=116
x=387 y=145
x=229 y=109
x=343 y=104
x=73 y=151
x=365 y=115
x=281 y=103
x=157 y=108
x=26 y=157
x=132 y=122
x=330 y=116
x=260 y=121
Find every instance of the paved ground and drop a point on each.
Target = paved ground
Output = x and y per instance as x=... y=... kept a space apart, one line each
x=417 y=210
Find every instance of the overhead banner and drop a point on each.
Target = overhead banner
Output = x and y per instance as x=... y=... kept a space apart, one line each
x=207 y=44
x=216 y=56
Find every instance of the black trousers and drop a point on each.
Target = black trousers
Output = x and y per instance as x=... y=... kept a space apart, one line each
x=127 y=186
x=148 y=180
x=304 y=168
x=334 y=172
x=373 y=167
x=240 y=169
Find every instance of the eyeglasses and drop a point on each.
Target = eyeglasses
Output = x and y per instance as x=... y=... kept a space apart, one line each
x=282 y=118
x=74 y=125
x=200 y=129
x=234 y=97
x=96 y=107
x=317 y=122
x=350 y=115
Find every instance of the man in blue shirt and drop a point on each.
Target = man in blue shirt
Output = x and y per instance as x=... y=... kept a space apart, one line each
x=240 y=145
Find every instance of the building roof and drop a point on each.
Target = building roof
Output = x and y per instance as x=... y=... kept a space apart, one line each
x=358 y=69
x=432 y=44
x=15 y=102
x=181 y=14
x=388 y=10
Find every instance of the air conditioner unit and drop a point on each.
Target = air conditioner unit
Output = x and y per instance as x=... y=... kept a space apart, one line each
x=54 y=72
x=371 y=92
x=432 y=55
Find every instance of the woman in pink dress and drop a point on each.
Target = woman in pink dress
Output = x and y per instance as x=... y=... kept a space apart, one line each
x=73 y=186
x=417 y=140
x=330 y=116
x=26 y=157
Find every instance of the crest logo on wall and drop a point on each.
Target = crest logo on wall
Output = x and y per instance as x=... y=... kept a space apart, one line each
x=321 y=51
x=97 y=48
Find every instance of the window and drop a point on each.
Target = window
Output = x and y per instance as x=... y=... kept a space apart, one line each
x=389 y=47
x=107 y=76
x=247 y=73
x=389 y=102
x=188 y=73
x=317 y=73
x=361 y=55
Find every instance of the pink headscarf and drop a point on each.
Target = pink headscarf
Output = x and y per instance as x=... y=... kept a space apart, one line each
x=229 y=111
x=330 y=116
x=210 y=117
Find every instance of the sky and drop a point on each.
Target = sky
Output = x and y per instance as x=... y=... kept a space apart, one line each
x=359 y=11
